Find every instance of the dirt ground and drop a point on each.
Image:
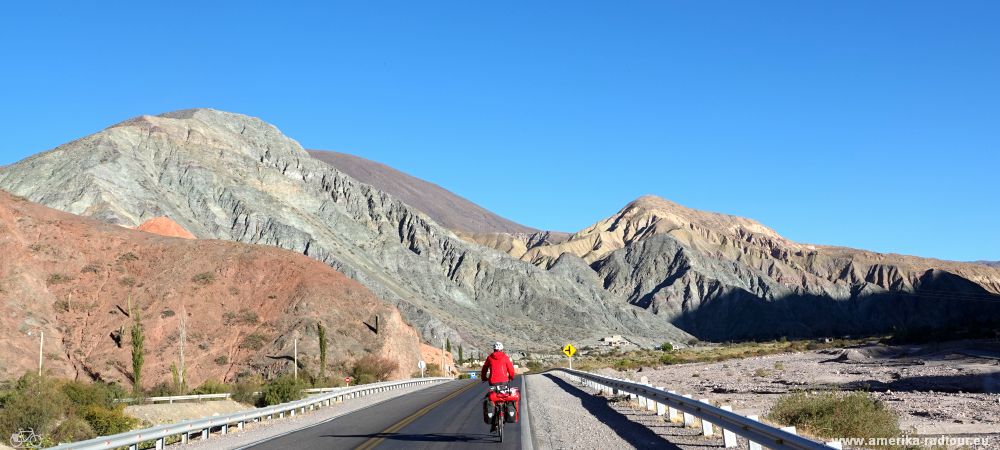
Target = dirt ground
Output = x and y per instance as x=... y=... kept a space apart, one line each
x=164 y=413
x=951 y=388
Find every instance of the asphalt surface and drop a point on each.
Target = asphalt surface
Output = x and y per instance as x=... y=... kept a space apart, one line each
x=448 y=415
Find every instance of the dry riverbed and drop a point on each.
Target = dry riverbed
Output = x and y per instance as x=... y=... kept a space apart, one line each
x=937 y=389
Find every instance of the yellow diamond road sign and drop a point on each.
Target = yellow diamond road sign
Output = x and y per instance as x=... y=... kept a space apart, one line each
x=569 y=350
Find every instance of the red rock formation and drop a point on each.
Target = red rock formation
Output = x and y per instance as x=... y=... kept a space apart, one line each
x=163 y=226
x=75 y=278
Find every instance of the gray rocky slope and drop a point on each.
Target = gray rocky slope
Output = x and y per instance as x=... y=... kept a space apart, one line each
x=722 y=277
x=446 y=208
x=228 y=176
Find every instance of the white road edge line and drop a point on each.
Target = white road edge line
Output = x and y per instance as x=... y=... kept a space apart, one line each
x=269 y=439
x=527 y=437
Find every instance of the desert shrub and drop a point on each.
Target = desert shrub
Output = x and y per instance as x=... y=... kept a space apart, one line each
x=91 y=268
x=221 y=360
x=108 y=421
x=57 y=278
x=247 y=390
x=667 y=347
x=778 y=365
x=97 y=393
x=253 y=342
x=760 y=373
x=243 y=317
x=668 y=359
x=73 y=429
x=371 y=369
x=280 y=390
x=163 y=389
x=833 y=415
x=127 y=281
x=126 y=257
x=33 y=402
x=204 y=278
x=211 y=387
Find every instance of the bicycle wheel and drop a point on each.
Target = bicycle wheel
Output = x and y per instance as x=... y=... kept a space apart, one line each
x=500 y=430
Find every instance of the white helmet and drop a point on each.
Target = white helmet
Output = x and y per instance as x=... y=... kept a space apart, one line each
x=498 y=346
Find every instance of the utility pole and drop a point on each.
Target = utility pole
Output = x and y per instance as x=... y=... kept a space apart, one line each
x=442 y=358
x=41 y=341
x=183 y=339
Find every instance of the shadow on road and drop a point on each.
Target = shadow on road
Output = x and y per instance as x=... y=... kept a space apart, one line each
x=635 y=434
x=428 y=437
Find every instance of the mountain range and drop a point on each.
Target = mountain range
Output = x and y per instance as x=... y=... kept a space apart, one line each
x=655 y=271
x=233 y=177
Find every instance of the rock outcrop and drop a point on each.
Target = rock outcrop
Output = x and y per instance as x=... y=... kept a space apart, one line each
x=232 y=177
x=83 y=282
x=163 y=226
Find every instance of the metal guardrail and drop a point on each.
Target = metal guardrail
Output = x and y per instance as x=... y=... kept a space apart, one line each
x=203 y=427
x=669 y=403
x=200 y=397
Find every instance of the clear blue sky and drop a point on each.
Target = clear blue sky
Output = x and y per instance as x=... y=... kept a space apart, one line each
x=858 y=123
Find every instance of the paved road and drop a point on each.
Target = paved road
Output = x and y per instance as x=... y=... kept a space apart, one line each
x=448 y=415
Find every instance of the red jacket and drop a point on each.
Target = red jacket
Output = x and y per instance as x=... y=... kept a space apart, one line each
x=499 y=367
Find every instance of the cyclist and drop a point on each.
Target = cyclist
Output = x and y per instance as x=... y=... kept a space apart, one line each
x=498 y=370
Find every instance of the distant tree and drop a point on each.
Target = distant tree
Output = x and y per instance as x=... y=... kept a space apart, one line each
x=138 y=342
x=461 y=357
x=447 y=345
x=322 y=350
x=667 y=347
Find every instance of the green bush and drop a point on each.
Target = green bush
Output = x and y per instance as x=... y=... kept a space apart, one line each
x=34 y=402
x=281 y=390
x=97 y=393
x=246 y=390
x=372 y=369
x=832 y=415
x=108 y=421
x=73 y=429
x=211 y=387
x=667 y=347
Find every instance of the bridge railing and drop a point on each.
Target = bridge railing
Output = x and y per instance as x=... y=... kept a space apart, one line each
x=684 y=408
x=159 y=435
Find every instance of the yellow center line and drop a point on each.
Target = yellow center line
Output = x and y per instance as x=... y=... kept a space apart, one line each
x=375 y=441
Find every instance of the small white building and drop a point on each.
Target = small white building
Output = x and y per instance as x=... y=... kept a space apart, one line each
x=615 y=341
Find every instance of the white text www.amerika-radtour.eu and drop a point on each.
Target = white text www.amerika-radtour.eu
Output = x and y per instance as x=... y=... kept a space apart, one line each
x=908 y=441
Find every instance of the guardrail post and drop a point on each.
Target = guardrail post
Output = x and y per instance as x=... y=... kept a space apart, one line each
x=239 y=426
x=159 y=444
x=661 y=409
x=688 y=418
x=204 y=434
x=672 y=414
x=754 y=445
x=185 y=438
x=225 y=429
x=728 y=437
x=706 y=427
x=133 y=447
x=790 y=430
x=650 y=403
